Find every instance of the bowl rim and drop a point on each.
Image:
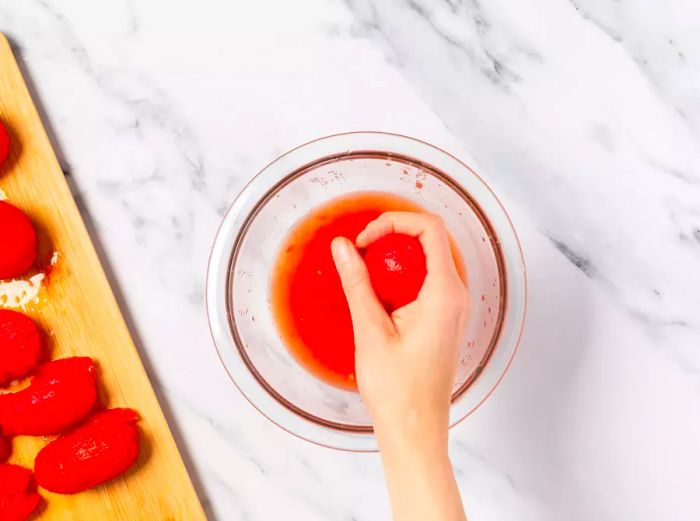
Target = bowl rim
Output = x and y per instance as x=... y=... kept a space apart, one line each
x=330 y=435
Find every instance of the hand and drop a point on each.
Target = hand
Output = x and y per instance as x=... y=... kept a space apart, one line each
x=406 y=361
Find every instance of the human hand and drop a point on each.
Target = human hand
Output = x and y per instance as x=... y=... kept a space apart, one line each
x=406 y=362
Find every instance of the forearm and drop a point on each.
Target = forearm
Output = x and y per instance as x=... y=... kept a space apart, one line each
x=419 y=476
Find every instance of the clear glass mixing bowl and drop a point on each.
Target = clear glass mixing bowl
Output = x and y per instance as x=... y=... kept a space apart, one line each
x=259 y=220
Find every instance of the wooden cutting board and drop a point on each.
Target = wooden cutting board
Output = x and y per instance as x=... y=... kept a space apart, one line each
x=80 y=316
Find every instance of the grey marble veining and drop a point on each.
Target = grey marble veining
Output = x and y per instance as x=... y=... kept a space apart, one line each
x=591 y=124
x=584 y=115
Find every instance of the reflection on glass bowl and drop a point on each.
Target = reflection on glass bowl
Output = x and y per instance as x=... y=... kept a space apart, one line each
x=258 y=222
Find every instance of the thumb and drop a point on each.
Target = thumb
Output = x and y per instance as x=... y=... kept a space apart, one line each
x=365 y=308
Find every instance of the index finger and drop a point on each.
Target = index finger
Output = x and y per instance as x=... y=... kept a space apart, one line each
x=429 y=229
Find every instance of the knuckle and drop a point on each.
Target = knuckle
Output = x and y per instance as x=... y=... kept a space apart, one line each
x=434 y=221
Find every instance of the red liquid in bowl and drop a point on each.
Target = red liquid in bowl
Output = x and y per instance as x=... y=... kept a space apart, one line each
x=307 y=298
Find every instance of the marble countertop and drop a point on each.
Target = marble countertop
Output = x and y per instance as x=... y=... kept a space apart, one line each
x=584 y=115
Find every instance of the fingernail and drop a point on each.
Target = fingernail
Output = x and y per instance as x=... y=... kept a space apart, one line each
x=341 y=250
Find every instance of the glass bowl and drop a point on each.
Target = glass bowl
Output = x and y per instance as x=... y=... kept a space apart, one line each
x=259 y=220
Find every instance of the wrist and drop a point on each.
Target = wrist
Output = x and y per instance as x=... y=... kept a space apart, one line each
x=414 y=434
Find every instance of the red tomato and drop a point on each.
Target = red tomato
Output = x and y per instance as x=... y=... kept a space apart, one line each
x=4 y=144
x=99 y=450
x=18 y=497
x=62 y=393
x=396 y=265
x=17 y=241
x=20 y=345
x=5 y=448
x=307 y=297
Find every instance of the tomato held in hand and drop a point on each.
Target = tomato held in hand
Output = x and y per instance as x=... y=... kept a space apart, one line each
x=20 y=345
x=396 y=265
x=17 y=241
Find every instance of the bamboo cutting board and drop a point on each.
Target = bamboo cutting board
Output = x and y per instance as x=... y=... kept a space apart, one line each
x=80 y=316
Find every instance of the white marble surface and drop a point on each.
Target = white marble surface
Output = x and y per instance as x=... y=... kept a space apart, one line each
x=583 y=114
